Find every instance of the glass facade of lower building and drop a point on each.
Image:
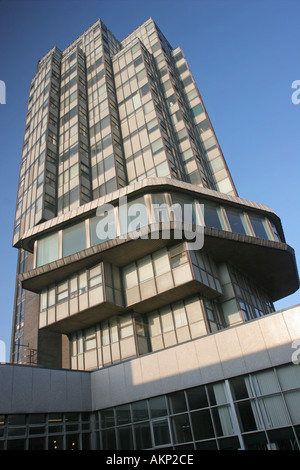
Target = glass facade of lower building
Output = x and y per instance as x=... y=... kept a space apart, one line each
x=258 y=411
x=51 y=431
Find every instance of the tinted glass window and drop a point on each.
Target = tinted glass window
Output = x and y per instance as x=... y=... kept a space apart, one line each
x=236 y=222
x=258 y=227
x=211 y=217
x=74 y=239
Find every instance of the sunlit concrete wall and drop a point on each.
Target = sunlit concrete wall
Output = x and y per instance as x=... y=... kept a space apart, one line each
x=256 y=345
x=262 y=343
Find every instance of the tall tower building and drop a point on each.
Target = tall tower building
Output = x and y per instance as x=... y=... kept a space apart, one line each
x=102 y=115
x=117 y=144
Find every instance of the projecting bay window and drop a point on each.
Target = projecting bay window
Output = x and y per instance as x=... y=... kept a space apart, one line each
x=176 y=323
x=71 y=296
x=157 y=273
x=253 y=301
x=108 y=342
x=136 y=214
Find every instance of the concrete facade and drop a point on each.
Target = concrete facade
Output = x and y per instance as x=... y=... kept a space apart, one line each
x=212 y=358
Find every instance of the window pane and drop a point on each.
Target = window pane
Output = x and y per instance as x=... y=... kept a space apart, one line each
x=123 y=414
x=248 y=415
x=289 y=376
x=157 y=146
x=161 y=262
x=74 y=171
x=140 y=410
x=231 y=443
x=275 y=413
x=162 y=169
x=292 y=400
x=130 y=276
x=134 y=218
x=16 y=444
x=152 y=125
x=109 y=162
x=37 y=443
x=74 y=195
x=74 y=239
x=222 y=420
x=51 y=297
x=73 y=286
x=43 y=300
x=197 y=398
x=197 y=110
x=114 y=335
x=158 y=407
x=202 y=425
x=145 y=269
x=16 y=420
x=109 y=439
x=216 y=394
x=179 y=315
x=178 y=259
x=211 y=217
x=125 y=438
x=47 y=249
x=143 y=436
x=105 y=333
x=256 y=441
x=181 y=428
x=154 y=324
x=126 y=326
x=137 y=101
x=258 y=227
x=95 y=276
x=177 y=402
x=275 y=231
x=90 y=343
x=82 y=282
x=160 y=208
x=161 y=432
x=62 y=292
x=282 y=439
x=241 y=388
x=236 y=223
x=266 y=382
x=109 y=228
x=166 y=319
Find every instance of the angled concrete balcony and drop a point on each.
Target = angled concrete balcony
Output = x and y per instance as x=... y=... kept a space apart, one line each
x=86 y=297
x=104 y=290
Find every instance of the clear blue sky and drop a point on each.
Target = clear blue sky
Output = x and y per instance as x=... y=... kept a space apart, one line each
x=244 y=55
